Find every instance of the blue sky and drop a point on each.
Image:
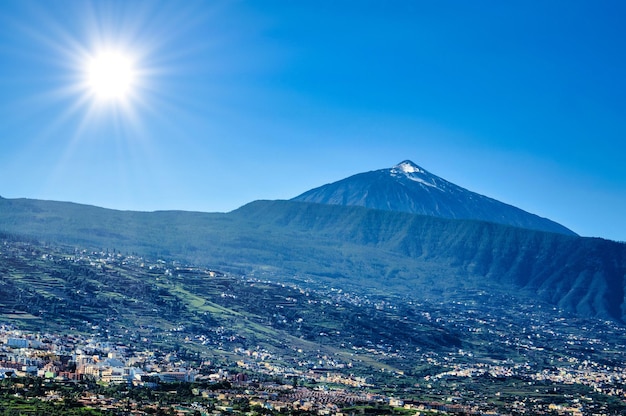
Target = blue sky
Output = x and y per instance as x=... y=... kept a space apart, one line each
x=235 y=101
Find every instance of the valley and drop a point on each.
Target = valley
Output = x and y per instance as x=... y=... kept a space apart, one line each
x=470 y=351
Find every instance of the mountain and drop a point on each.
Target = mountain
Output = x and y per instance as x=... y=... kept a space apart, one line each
x=407 y=187
x=355 y=248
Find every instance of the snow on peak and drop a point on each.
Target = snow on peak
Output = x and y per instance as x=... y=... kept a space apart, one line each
x=413 y=172
x=409 y=167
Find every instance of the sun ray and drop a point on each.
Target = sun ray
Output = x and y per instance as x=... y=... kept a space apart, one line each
x=111 y=81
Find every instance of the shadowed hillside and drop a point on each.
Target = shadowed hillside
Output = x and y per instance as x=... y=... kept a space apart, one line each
x=351 y=246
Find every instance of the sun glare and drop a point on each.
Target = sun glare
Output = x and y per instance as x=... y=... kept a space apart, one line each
x=110 y=75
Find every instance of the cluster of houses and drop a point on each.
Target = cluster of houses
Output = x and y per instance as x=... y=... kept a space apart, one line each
x=59 y=358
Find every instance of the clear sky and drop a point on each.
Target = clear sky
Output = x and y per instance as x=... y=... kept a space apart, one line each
x=233 y=101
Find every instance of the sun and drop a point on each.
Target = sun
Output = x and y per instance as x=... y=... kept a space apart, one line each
x=110 y=75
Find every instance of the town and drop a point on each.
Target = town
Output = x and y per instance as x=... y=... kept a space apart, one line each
x=530 y=360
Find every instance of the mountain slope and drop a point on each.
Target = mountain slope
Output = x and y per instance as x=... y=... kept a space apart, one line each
x=407 y=187
x=48 y=288
x=353 y=247
x=438 y=256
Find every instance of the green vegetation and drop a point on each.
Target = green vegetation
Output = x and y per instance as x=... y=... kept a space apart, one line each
x=46 y=289
x=405 y=304
x=379 y=410
x=349 y=247
x=25 y=396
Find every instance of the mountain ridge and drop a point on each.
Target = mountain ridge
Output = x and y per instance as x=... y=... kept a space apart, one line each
x=407 y=342
x=407 y=187
x=355 y=247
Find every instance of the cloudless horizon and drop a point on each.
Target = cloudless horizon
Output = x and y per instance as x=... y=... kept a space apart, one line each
x=233 y=101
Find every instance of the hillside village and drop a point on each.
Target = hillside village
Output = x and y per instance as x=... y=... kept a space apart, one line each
x=257 y=380
x=326 y=373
